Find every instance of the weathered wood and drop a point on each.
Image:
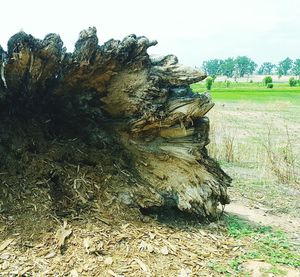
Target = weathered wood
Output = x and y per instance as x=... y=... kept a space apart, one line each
x=143 y=101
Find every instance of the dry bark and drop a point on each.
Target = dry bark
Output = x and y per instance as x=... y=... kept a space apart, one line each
x=142 y=104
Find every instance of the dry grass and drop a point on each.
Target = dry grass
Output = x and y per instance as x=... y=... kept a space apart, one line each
x=222 y=149
x=282 y=160
x=258 y=144
x=228 y=142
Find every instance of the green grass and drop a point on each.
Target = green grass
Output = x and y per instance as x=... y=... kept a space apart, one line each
x=268 y=245
x=250 y=92
x=239 y=228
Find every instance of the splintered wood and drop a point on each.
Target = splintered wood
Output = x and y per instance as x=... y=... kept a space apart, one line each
x=113 y=105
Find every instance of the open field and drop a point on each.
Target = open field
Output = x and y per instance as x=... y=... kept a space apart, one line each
x=259 y=130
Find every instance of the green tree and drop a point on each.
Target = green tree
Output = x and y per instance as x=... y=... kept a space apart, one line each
x=292 y=82
x=266 y=68
x=296 y=68
x=267 y=80
x=227 y=67
x=284 y=67
x=208 y=82
x=244 y=66
x=212 y=67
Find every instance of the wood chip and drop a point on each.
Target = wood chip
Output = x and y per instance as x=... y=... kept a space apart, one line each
x=5 y=256
x=164 y=250
x=5 y=265
x=124 y=226
x=172 y=246
x=184 y=272
x=152 y=236
x=142 y=265
x=61 y=235
x=74 y=273
x=86 y=244
x=108 y=261
x=5 y=244
x=150 y=248
x=143 y=245
x=50 y=255
x=26 y=269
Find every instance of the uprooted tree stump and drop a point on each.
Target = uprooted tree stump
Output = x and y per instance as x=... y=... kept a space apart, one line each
x=111 y=104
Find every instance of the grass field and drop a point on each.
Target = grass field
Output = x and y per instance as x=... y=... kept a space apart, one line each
x=251 y=92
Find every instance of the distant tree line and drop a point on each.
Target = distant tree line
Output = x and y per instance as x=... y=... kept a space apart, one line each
x=243 y=66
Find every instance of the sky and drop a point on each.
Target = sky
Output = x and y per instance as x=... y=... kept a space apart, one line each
x=193 y=30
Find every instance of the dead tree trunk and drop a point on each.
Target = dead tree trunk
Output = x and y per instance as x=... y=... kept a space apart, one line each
x=143 y=103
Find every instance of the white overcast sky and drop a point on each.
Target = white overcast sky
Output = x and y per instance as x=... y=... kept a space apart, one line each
x=194 y=30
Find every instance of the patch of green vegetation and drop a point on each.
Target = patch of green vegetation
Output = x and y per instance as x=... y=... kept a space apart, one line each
x=250 y=92
x=276 y=249
x=270 y=246
x=239 y=228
